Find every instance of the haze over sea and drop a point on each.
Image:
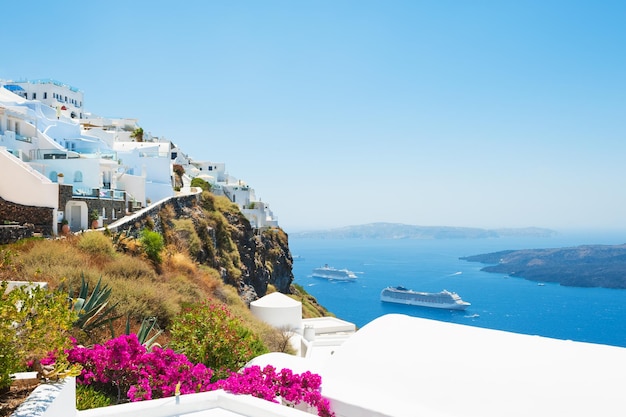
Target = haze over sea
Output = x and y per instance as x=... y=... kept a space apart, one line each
x=595 y=315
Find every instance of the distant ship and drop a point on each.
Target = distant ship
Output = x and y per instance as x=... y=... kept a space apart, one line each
x=329 y=272
x=444 y=299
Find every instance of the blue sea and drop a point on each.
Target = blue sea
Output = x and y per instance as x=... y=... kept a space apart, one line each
x=595 y=315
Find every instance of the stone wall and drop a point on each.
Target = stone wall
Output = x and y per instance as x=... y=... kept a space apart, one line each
x=13 y=233
x=39 y=217
x=134 y=223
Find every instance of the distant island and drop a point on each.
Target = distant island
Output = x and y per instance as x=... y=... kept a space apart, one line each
x=580 y=266
x=406 y=231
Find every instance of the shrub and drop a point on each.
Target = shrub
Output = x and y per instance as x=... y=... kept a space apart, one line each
x=96 y=243
x=33 y=321
x=127 y=267
x=50 y=260
x=200 y=183
x=269 y=384
x=209 y=334
x=124 y=366
x=88 y=397
x=153 y=244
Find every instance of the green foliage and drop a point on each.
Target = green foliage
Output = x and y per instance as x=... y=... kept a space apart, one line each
x=153 y=244
x=88 y=397
x=148 y=332
x=92 y=308
x=200 y=183
x=96 y=243
x=137 y=134
x=94 y=215
x=33 y=322
x=210 y=334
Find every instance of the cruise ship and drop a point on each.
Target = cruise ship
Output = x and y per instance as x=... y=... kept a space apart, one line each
x=329 y=272
x=444 y=299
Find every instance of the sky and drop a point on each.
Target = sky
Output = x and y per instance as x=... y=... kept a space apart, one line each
x=436 y=113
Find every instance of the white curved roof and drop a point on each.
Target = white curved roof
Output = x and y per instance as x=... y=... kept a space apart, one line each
x=277 y=300
x=399 y=366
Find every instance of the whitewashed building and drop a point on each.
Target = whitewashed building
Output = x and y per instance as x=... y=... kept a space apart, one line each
x=66 y=100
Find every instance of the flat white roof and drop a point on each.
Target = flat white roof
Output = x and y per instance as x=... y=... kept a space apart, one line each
x=329 y=325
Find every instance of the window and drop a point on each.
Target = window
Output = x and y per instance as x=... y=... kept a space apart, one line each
x=34 y=96
x=45 y=95
x=78 y=176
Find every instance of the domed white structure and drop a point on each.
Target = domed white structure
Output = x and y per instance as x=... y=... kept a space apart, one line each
x=278 y=310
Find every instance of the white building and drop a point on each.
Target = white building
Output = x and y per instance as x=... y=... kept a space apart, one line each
x=63 y=98
x=44 y=125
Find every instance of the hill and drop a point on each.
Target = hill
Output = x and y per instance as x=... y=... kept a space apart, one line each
x=405 y=231
x=209 y=252
x=581 y=266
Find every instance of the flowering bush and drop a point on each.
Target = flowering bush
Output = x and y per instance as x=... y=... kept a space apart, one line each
x=209 y=334
x=268 y=384
x=126 y=366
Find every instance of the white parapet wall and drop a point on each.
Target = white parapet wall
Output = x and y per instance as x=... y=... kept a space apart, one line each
x=21 y=184
x=56 y=399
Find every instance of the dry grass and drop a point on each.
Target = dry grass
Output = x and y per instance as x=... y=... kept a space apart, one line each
x=138 y=289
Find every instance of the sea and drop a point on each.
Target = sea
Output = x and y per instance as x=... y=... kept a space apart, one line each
x=498 y=301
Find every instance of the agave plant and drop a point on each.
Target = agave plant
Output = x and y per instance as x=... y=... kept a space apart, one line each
x=148 y=325
x=92 y=309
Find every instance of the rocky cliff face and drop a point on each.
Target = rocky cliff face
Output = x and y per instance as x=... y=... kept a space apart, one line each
x=217 y=234
x=265 y=259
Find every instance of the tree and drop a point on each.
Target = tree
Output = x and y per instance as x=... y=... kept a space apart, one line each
x=137 y=134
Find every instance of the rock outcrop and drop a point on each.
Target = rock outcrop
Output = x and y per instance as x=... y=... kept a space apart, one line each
x=581 y=266
x=217 y=234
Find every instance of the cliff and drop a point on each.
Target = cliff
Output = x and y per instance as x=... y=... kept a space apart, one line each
x=581 y=266
x=217 y=234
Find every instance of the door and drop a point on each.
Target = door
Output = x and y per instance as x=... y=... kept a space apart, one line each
x=75 y=218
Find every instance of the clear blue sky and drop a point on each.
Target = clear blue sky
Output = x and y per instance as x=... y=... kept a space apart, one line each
x=456 y=113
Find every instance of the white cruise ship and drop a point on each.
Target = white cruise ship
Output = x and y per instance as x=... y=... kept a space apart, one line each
x=444 y=299
x=329 y=272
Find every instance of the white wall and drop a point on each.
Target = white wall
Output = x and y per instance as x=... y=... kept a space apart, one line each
x=135 y=187
x=21 y=184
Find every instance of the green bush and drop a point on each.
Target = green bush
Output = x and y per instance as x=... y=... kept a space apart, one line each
x=153 y=244
x=33 y=322
x=210 y=334
x=200 y=183
x=89 y=397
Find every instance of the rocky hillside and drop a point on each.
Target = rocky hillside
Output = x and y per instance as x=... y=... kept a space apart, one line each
x=215 y=233
x=581 y=266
